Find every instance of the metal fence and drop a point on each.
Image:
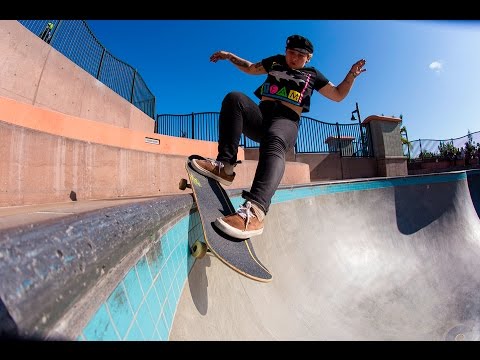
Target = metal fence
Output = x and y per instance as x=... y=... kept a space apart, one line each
x=428 y=148
x=75 y=40
x=314 y=136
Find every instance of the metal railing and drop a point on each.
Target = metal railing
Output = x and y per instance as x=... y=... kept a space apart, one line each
x=75 y=40
x=428 y=148
x=314 y=136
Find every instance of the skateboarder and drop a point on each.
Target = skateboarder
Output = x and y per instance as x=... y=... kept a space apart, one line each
x=284 y=96
x=46 y=34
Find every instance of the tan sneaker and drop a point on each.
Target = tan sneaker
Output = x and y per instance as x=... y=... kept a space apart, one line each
x=245 y=223
x=213 y=169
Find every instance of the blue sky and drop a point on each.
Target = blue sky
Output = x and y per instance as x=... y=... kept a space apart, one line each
x=428 y=71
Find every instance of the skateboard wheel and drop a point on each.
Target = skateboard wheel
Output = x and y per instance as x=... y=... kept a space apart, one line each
x=183 y=184
x=199 y=249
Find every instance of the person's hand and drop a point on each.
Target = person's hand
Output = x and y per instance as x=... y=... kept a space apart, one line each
x=357 y=68
x=220 y=55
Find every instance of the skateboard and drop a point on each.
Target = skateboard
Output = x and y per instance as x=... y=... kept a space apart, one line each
x=212 y=202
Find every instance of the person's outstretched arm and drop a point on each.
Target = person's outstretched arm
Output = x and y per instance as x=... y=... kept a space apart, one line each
x=338 y=93
x=242 y=64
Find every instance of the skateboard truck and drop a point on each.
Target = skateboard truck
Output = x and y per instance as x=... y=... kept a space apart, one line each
x=183 y=184
x=199 y=248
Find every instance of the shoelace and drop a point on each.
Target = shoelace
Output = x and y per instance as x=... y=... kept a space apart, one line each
x=245 y=212
x=217 y=164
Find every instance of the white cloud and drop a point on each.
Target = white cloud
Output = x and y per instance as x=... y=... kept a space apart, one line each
x=436 y=66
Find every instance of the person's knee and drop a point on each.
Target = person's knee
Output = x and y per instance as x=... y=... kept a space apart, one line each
x=275 y=144
x=233 y=97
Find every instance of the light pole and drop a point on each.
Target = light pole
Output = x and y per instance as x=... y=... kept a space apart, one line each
x=353 y=118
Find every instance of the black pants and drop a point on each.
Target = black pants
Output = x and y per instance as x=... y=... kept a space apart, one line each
x=45 y=34
x=271 y=124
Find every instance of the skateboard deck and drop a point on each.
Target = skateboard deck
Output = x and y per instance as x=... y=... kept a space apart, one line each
x=212 y=202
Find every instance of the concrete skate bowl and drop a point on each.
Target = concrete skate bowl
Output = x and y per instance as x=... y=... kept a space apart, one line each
x=389 y=259
x=473 y=177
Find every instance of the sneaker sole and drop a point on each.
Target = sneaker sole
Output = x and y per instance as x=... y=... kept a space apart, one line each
x=210 y=174
x=238 y=234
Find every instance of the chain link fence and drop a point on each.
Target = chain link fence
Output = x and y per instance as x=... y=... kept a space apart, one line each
x=75 y=40
x=459 y=148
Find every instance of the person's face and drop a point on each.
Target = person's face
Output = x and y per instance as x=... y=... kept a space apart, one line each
x=296 y=59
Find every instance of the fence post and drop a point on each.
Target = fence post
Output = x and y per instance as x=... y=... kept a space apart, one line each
x=133 y=85
x=338 y=138
x=152 y=107
x=193 y=125
x=101 y=64
x=340 y=146
x=371 y=150
x=296 y=141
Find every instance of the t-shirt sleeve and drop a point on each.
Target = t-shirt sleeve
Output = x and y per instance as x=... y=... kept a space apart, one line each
x=320 y=81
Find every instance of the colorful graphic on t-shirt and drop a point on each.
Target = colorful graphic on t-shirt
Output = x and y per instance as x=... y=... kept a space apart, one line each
x=275 y=92
x=294 y=86
x=286 y=85
x=284 y=75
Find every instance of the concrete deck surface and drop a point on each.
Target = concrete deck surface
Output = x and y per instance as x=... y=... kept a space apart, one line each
x=13 y=216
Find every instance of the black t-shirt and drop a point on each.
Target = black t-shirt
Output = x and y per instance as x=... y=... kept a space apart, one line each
x=292 y=86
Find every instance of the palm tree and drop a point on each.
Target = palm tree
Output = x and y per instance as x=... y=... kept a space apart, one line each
x=404 y=137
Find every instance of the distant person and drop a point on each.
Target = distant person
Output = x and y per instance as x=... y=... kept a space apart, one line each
x=284 y=96
x=46 y=34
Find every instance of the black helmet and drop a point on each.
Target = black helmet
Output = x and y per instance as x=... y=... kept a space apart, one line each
x=300 y=43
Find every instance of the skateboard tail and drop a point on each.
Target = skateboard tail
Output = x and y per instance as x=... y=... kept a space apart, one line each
x=247 y=241
x=252 y=254
x=265 y=279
